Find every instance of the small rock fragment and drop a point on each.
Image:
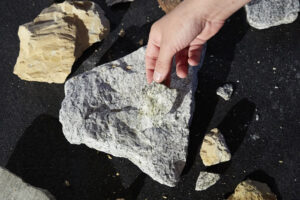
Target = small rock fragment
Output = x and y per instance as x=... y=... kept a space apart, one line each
x=56 y=38
x=214 y=149
x=14 y=188
x=122 y=32
x=141 y=42
x=206 y=180
x=113 y=2
x=252 y=190
x=263 y=14
x=67 y=183
x=168 y=5
x=225 y=91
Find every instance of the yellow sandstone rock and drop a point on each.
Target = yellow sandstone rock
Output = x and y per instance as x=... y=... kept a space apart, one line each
x=168 y=5
x=252 y=190
x=214 y=149
x=56 y=38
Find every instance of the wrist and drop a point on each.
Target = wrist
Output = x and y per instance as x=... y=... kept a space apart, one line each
x=215 y=10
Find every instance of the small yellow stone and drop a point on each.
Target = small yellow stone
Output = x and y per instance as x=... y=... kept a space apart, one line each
x=122 y=33
x=109 y=157
x=141 y=42
x=129 y=67
x=67 y=183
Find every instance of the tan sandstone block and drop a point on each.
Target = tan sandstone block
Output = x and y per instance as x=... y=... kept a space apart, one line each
x=168 y=5
x=56 y=38
x=214 y=149
x=252 y=190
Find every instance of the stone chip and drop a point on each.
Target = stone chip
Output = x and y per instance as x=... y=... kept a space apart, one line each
x=206 y=180
x=225 y=91
x=56 y=38
x=214 y=149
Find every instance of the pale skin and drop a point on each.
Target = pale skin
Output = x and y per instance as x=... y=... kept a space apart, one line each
x=182 y=33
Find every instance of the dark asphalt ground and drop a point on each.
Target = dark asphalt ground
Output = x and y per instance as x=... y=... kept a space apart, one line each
x=32 y=144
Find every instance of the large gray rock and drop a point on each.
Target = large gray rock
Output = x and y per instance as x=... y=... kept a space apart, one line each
x=14 y=188
x=112 y=109
x=263 y=14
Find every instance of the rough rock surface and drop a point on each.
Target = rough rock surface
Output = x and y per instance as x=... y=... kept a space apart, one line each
x=168 y=5
x=13 y=188
x=113 y=2
x=225 y=91
x=112 y=109
x=214 y=149
x=263 y=14
x=252 y=190
x=206 y=180
x=56 y=38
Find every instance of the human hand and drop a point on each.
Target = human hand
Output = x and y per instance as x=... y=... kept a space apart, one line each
x=182 y=33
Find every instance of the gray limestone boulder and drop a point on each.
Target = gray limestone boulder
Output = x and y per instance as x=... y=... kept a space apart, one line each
x=14 y=188
x=263 y=14
x=112 y=109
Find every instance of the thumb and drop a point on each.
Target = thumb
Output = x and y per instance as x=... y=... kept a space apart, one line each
x=163 y=64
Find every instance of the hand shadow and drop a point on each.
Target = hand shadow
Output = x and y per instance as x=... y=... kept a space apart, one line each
x=219 y=56
x=44 y=158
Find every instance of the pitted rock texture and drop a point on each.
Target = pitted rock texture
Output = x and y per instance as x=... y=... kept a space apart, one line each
x=56 y=38
x=206 y=180
x=214 y=149
x=113 y=2
x=252 y=190
x=168 y=5
x=112 y=109
x=13 y=188
x=262 y=14
x=225 y=91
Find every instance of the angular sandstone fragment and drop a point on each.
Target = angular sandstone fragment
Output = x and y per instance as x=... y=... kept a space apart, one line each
x=206 y=180
x=263 y=14
x=168 y=5
x=13 y=188
x=113 y=2
x=252 y=190
x=56 y=38
x=112 y=109
x=225 y=91
x=214 y=149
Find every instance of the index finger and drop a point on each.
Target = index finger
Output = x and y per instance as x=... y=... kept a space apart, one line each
x=152 y=53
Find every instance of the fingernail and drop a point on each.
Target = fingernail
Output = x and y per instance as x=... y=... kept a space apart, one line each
x=156 y=76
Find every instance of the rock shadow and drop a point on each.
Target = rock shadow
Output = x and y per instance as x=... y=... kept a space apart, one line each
x=235 y=124
x=261 y=176
x=45 y=159
x=214 y=72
